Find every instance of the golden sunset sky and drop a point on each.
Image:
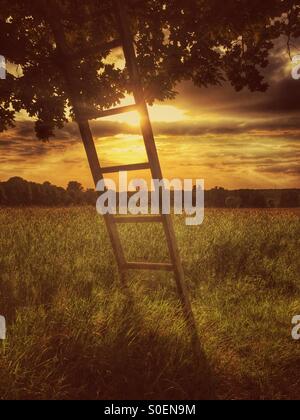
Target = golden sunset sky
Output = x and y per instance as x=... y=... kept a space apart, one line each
x=229 y=139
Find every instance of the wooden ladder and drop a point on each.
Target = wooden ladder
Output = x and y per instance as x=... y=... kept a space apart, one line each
x=153 y=164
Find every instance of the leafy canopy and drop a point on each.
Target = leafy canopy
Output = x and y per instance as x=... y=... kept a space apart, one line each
x=206 y=41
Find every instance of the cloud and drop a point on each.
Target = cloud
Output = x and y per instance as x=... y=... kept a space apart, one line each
x=282 y=96
x=231 y=139
x=291 y=126
x=281 y=169
x=24 y=141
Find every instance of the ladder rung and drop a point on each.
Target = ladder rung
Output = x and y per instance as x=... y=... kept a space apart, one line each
x=114 y=111
x=149 y=266
x=120 y=168
x=138 y=219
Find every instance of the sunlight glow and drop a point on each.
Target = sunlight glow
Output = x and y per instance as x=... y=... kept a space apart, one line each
x=158 y=113
x=167 y=113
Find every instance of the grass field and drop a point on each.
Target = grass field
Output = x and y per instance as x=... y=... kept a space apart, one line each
x=74 y=333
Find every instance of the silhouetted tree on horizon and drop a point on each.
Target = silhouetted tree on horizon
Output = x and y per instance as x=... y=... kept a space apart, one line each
x=19 y=192
x=289 y=199
x=74 y=186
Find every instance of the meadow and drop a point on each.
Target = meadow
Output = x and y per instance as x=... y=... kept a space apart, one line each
x=74 y=333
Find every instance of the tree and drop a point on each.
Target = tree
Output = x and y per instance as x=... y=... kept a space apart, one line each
x=258 y=200
x=75 y=192
x=56 y=44
x=233 y=202
x=217 y=196
x=3 y=198
x=90 y=196
x=18 y=191
x=271 y=204
x=245 y=197
x=289 y=199
x=74 y=186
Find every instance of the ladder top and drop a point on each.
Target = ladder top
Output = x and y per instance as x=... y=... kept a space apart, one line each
x=113 y=111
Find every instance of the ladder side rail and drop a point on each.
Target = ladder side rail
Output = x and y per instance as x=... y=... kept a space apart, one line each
x=151 y=149
x=83 y=124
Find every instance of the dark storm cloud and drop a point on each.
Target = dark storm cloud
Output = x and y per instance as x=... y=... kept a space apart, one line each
x=26 y=129
x=283 y=98
x=282 y=95
x=22 y=143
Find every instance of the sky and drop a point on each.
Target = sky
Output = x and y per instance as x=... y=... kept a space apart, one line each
x=229 y=139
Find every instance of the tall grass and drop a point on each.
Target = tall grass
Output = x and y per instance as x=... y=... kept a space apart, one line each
x=74 y=333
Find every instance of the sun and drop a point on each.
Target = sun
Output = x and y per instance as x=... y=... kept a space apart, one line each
x=158 y=113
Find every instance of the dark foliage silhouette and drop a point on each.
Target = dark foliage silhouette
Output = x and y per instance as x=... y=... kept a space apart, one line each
x=206 y=41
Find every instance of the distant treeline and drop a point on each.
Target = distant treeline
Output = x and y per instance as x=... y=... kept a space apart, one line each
x=19 y=192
